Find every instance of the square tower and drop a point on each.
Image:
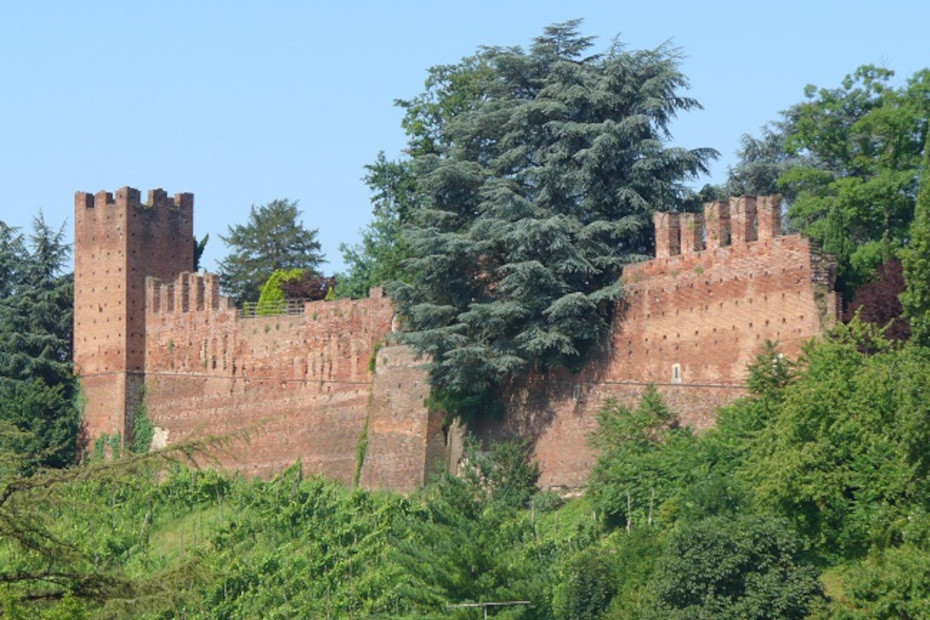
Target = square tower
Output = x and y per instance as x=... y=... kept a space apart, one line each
x=117 y=243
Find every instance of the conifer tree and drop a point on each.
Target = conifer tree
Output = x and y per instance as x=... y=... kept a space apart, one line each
x=537 y=174
x=272 y=239
x=37 y=389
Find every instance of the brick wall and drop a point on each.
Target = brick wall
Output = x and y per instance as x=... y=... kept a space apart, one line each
x=299 y=384
x=406 y=443
x=301 y=387
x=118 y=242
x=691 y=322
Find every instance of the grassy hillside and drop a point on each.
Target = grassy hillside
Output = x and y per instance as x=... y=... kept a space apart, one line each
x=809 y=499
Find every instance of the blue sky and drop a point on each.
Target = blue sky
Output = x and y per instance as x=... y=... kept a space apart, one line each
x=245 y=102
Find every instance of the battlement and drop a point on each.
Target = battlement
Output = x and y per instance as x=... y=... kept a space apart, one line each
x=189 y=292
x=130 y=197
x=734 y=222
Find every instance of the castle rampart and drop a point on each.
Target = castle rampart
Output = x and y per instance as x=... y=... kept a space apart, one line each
x=325 y=385
x=691 y=322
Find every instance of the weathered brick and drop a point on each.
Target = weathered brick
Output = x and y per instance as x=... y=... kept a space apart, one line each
x=315 y=385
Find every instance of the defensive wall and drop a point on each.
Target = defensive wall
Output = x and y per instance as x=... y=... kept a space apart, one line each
x=325 y=385
x=722 y=283
x=150 y=335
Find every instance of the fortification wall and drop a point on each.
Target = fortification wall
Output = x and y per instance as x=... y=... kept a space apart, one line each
x=691 y=322
x=406 y=444
x=316 y=385
x=298 y=385
x=118 y=242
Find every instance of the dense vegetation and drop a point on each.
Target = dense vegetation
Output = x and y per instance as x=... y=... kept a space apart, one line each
x=38 y=413
x=810 y=497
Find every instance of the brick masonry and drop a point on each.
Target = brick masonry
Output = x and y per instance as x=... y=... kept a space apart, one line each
x=692 y=320
x=318 y=386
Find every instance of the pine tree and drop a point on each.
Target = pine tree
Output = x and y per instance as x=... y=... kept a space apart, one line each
x=537 y=175
x=272 y=239
x=37 y=388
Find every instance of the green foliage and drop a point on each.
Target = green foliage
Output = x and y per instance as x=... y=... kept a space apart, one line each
x=37 y=387
x=536 y=177
x=505 y=473
x=271 y=301
x=888 y=584
x=855 y=195
x=846 y=456
x=361 y=449
x=272 y=239
x=379 y=257
x=589 y=586
x=749 y=567
x=68 y=538
x=645 y=459
x=142 y=429
x=46 y=423
x=770 y=373
x=916 y=299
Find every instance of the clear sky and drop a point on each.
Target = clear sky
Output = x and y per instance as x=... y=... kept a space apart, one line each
x=245 y=102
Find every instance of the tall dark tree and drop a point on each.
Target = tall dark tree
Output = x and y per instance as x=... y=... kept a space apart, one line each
x=272 y=239
x=37 y=389
x=538 y=173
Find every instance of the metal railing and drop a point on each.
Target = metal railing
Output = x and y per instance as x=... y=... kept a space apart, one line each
x=255 y=309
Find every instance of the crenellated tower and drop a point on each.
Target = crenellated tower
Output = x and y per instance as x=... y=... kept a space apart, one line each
x=118 y=242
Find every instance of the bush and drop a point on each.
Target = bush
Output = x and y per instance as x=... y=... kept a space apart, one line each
x=748 y=567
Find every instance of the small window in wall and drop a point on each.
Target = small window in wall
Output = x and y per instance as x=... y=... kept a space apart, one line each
x=576 y=391
x=676 y=373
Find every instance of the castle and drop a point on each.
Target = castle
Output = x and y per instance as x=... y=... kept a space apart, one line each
x=324 y=383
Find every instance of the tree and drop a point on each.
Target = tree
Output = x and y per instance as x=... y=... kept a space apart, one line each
x=855 y=194
x=645 y=459
x=747 y=567
x=37 y=386
x=272 y=239
x=54 y=569
x=378 y=258
x=537 y=175
x=504 y=473
x=762 y=161
x=845 y=455
x=272 y=299
x=916 y=299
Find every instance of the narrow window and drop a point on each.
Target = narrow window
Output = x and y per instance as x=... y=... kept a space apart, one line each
x=676 y=373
